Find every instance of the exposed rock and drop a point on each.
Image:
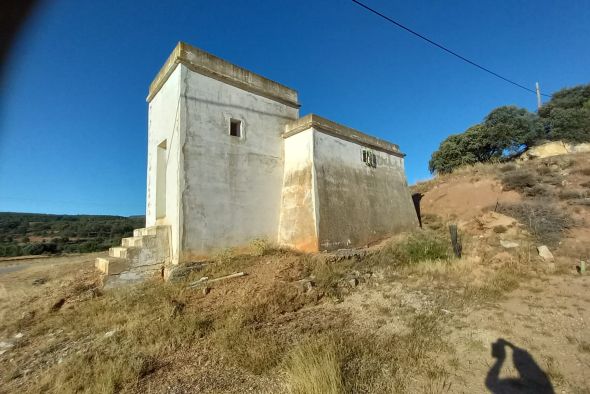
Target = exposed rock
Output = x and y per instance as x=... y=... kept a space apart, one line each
x=493 y=220
x=353 y=282
x=549 y=149
x=508 y=244
x=545 y=253
x=581 y=148
x=306 y=284
x=109 y=334
x=554 y=148
x=19 y=335
x=206 y=290
x=5 y=345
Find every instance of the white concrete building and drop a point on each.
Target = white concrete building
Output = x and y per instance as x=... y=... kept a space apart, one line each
x=229 y=161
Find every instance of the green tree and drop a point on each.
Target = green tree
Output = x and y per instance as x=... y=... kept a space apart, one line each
x=506 y=131
x=451 y=154
x=567 y=115
x=509 y=130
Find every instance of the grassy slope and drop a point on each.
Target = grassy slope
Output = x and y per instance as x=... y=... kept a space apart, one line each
x=381 y=322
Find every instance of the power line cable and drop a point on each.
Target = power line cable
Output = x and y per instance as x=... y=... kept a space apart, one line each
x=445 y=48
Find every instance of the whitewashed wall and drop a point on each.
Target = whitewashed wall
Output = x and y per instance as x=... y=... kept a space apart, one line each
x=358 y=204
x=231 y=187
x=164 y=123
x=298 y=224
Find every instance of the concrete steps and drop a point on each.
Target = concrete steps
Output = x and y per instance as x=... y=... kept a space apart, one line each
x=111 y=265
x=118 y=251
x=135 y=241
x=140 y=256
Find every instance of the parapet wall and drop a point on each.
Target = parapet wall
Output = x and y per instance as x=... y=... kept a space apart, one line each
x=212 y=66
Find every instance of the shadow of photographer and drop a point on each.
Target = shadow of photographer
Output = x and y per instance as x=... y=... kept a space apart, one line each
x=532 y=379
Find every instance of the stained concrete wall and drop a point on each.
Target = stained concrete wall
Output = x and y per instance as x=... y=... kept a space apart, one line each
x=165 y=124
x=300 y=181
x=358 y=204
x=231 y=187
x=298 y=224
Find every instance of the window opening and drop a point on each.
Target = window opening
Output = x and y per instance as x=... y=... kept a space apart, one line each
x=369 y=158
x=235 y=128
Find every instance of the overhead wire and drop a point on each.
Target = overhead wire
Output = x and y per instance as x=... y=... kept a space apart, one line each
x=440 y=46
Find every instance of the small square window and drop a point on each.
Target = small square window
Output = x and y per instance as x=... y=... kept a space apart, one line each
x=369 y=158
x=235 y=128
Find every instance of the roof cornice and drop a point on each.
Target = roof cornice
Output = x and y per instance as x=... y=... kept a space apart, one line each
x=214 y=67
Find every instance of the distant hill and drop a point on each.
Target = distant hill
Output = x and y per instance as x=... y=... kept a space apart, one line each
x=34 y=233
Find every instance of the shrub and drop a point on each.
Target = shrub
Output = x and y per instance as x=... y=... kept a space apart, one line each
x=544 y=170
x=538 y=190
x=552 y=179
x=261 y=247
x=424 y=246
x=543 y=220
x=571 y=194
x=507 y=167
x=519 y=180
x=34 y=249
x=420 y=246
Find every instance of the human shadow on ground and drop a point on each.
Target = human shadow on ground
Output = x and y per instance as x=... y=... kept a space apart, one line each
x=532 y=379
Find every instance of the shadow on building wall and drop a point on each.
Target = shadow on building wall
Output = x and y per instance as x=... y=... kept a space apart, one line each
x=532 y=379
x=416 y=197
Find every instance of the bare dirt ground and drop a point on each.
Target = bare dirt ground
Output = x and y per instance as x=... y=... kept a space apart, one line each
x=405 y=316
x=546 y=317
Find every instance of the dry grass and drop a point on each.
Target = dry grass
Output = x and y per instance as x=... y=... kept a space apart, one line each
x=313 y=367
x=263 y=335
x=544 y=220
x=242 y=345
x=584 y=171
x=390 y=364
x=573 y=194
x=139 y=332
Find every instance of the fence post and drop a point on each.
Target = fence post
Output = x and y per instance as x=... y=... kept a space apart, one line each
x=457 y=246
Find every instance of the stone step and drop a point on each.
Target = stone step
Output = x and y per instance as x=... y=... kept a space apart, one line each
x=136 y=241
x=118 y=251
x=153 y=230
x=138 y=232
x=111 y=265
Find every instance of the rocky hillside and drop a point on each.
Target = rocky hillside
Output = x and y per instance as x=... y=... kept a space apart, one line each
x=541 y=202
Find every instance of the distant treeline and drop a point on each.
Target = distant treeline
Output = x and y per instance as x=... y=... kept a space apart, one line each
x=34 y=234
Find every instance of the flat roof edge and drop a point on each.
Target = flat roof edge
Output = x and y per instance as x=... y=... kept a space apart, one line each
x=214 y=67
x=340 y=131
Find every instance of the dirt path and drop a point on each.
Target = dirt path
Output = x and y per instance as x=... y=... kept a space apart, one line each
x=545 y=328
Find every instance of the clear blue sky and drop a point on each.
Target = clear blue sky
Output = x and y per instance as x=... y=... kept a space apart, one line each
x=72 y=102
